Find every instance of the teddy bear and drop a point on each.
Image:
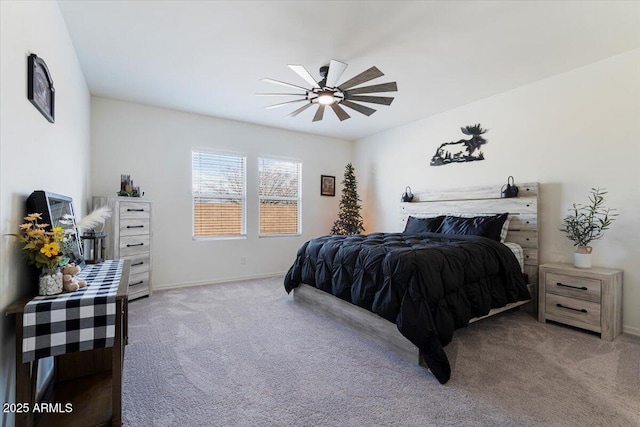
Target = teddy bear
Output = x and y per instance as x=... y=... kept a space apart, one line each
x=70 y=283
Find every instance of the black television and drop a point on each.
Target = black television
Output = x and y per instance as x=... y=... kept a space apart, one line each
x=53 y=207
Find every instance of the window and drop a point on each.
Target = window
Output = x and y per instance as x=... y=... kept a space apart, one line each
x=279 y=194
x=219 y=195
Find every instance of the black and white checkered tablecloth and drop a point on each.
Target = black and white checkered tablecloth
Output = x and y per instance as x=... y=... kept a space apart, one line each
x=75 y=321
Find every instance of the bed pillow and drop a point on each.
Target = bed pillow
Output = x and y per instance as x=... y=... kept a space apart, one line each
x=423 y=225
x=505 y=230
x=486 y=226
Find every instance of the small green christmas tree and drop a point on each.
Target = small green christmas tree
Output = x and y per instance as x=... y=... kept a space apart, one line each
x=349 y=219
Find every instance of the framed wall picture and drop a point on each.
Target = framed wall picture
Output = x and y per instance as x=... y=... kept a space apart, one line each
x=40 y=87
x=327 y=185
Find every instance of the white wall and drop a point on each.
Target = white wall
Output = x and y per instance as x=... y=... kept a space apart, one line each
x=570 y=132
x=35 y=154
x=154 y=145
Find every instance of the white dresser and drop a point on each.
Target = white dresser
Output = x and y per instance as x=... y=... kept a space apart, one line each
x=128 y=233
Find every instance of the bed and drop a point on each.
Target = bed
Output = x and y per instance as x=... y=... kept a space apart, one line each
x=409 y=292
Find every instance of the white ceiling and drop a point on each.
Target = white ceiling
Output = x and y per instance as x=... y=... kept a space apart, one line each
x=208 y=57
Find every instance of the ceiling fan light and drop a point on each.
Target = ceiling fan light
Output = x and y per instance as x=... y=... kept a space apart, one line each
x=326 y=98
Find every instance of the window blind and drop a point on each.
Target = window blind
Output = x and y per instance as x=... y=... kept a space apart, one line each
x=219 y=195
x=280 y=196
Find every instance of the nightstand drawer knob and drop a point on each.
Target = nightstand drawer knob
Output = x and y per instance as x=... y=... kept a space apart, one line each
x=570 y=308
x=581 y=288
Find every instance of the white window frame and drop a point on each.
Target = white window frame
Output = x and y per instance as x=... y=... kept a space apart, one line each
x=242 y=197
x=297 y=199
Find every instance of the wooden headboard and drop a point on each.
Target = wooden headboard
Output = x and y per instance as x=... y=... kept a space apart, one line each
x=485 y=200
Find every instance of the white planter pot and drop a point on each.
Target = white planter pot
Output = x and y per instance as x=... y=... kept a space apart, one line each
x=582 y=257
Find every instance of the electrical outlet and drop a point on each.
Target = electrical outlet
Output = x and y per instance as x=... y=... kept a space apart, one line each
x=243 y=260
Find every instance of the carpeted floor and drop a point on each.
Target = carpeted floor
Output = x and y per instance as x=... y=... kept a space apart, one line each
x=245 y=354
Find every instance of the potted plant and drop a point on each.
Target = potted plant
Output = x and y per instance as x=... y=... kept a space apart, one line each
x=587 y=223
x=46 y=250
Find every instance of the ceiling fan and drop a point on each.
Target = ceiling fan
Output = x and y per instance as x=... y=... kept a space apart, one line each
x=328 y=93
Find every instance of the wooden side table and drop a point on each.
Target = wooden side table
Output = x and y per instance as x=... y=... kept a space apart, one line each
x=587 y=298
x=89 y=381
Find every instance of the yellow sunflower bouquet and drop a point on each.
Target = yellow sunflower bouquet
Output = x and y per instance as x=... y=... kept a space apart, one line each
x=45 y=249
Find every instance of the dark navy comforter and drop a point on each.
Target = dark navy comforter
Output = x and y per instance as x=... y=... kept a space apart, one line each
x=428 y=284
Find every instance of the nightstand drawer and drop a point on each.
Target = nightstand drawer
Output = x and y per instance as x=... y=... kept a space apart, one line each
x=573 y=309
x=573 y=286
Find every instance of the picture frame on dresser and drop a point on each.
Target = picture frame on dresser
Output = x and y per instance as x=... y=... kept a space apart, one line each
x=129 y=236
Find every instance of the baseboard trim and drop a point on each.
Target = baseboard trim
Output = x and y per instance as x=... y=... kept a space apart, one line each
x=631 y=330
x=168 y=286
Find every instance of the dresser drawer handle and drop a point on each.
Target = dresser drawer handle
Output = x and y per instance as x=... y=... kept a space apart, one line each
x=135 y=226
x=137 y=283
x=135 y=210
x=569 y=308
x=137 y=263
x=137 y=244
x=582 y=288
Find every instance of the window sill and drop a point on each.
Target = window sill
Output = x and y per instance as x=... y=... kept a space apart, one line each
x=208 y=238
x=260 y=236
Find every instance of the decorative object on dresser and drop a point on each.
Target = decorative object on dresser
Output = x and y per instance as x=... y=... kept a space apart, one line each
x=588 y=299
x=128 y=236
x=586 y=224
x=40 y=91
x=127 y=189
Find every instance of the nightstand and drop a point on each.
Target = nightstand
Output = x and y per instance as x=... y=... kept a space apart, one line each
x=587 y=298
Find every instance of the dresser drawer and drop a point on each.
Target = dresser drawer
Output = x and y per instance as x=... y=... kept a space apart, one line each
x=573 y=287
x=134 y=245
x=138 y=280
x=573 y=310
x=139 y=264
x=133 y=227
x=134 y=210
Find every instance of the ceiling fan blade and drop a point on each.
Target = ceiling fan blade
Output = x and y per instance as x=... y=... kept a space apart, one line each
x=342 y=115
x=385 y=100
x=278 y=82
x=384 y=87
x=300 y=110
x=319 y=113
x=336 y=68
x=360 y=108
x=283 y=103
x=302 y=72
x=280 y=94
x=365 y=76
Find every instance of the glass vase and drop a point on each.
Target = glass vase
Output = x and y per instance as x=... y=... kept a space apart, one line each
x=50 y=282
